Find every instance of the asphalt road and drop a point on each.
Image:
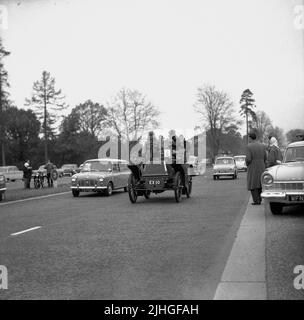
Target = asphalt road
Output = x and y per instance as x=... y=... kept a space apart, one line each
x=97 y=247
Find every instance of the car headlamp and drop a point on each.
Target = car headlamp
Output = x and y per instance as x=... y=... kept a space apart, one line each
x=74 y=179
x=267 y=179
x=100 y=179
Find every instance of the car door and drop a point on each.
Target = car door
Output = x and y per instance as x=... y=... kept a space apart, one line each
x=115 y=175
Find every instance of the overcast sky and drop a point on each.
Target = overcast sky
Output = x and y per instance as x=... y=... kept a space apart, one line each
x=164 y=48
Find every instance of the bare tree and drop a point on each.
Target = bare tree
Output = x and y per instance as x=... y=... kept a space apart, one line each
x=217 y=112
x=130 y=114
x=263 y=125
x=46 y=102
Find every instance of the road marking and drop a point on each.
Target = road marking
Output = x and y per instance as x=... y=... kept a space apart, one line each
x=34 y=198
x=24 y=231
x=244 y=276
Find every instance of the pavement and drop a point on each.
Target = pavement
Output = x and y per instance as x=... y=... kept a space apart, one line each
x=214 y=245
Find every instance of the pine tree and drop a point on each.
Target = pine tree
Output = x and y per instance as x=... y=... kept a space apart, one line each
x=247 y=105
x=46 y=102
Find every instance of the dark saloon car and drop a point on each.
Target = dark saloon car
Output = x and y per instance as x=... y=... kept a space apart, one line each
x=102 y=176
x=69 y=169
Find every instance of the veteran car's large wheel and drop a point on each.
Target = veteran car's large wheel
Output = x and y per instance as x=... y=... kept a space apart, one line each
x=75 y=193
x=276 y=208
x=131 y=188
x=178 y=187
x=0 y=196
x=109 y=189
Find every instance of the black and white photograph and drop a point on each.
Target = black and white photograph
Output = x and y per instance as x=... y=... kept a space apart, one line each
x=152 y=150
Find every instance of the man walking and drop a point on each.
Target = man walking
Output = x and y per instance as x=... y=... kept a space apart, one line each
x=49 y=168
x=256 y=158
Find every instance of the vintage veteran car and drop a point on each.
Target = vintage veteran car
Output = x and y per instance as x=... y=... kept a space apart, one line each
x=225 y=166
x=11 y=173
x=283 y=184
x=101 y=175
x=2 y=186
x=159 y=177
x=240 y=162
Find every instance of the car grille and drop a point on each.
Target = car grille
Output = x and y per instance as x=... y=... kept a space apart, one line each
x=87 y=183
x=287 y=186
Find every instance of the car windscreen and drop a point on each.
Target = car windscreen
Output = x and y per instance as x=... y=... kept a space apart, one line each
x=239 y=158
x=3 y=169
x=224 y=161
x=96 y=166
x=294 y=154
x=68 y=166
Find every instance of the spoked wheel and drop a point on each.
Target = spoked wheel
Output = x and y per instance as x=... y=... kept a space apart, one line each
x=178 y=186
x=131 y=188
x=189 y=188
x=147 y=194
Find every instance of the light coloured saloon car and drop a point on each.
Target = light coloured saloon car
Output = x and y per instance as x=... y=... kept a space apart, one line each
x=2 y=186
x=240 y=162
x=283 y=185
x=11 y=173
x=224 y=167
x=102 y=176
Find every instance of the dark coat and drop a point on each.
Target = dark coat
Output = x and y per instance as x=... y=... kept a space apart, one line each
x=256 y=158
x=274 y=155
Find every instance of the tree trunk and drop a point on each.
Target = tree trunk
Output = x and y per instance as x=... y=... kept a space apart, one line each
x=45 y=122
x=247 y=126
x=3 y=153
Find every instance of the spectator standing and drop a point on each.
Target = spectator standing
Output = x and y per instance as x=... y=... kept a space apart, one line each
x=274 y=156
x=256 y=158
x=27 y=174
x=49 y=168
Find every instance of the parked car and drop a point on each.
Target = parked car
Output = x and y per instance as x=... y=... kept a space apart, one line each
x=225 y=166
x=193 y=168
x=101 y=175
x=69 y=169
x=2 y=186
x=240 y=162
x=11 y=173
x=283 y=185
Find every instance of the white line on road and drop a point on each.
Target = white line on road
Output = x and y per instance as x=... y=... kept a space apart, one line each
x=23 y=231
x=34 y=198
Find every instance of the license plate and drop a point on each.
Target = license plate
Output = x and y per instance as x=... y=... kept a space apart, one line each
x=297 y=198
x=154 y=183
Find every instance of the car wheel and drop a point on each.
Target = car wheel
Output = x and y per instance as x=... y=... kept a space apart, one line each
x=147 y=194
x=109 y=189
x=178 y=187
x=75 y=193
x=1 y=196
x=215 y=177
x=125 y=189
x=276 y=208
x=131 y=188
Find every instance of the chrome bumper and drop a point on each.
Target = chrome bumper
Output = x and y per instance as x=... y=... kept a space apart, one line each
x=223 y=174
x=88 y=188
x=2 y=189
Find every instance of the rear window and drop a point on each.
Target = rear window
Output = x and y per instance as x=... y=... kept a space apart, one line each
x=224 y=161
x=239 y=158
